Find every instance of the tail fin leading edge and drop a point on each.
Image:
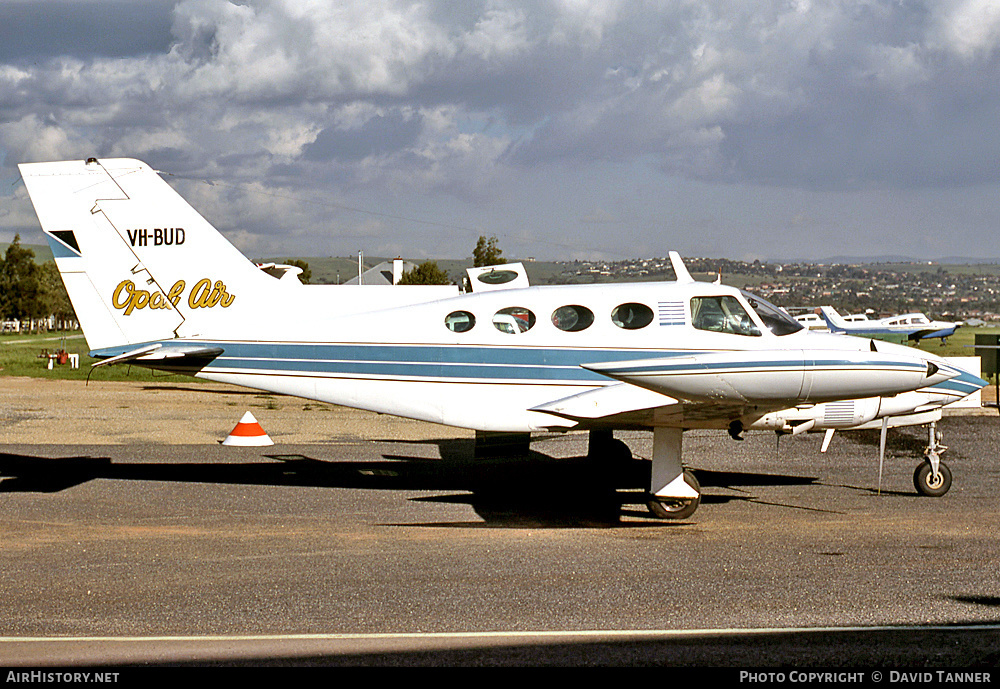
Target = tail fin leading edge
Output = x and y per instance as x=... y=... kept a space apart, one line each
x=834 y=321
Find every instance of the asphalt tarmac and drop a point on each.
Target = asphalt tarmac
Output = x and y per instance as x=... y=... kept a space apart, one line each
x=389 y=551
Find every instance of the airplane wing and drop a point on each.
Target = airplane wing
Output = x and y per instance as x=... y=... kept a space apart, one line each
x=609 y=401
x=704 y=389
x=624 y=404
x=942 y=332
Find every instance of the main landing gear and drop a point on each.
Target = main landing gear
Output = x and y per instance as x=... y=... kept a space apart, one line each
x=676 y=508
x=674 y=492
x=932 y=477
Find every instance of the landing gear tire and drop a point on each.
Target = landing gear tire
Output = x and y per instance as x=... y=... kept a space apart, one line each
x=673 y=508
x=927 y=483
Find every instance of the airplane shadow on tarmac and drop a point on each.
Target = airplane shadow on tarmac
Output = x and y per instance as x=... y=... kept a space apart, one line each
x=535 y=490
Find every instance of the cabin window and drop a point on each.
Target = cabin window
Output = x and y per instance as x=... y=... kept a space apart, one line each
x=572 y=318
x=459 y=321
x=632 y=316
x=513 y=320
x=722 y=314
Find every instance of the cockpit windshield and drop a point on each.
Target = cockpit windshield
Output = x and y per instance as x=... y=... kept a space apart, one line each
x=776 y=320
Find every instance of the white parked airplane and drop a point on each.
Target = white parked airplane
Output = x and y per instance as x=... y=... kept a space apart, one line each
x=154 y=284
x=915 y=326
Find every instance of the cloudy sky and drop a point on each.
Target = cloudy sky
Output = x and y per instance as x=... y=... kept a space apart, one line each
x=568 y=128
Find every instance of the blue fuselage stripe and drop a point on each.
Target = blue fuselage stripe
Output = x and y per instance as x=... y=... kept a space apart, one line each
x=448 y=362
x=480 y=363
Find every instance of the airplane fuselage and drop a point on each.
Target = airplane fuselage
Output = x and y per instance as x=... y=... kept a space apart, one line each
x=493 y=358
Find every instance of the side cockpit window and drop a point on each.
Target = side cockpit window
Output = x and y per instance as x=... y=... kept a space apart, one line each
x=722 y=314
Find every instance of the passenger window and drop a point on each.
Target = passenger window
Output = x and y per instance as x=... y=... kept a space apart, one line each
x=572 y=318
x=459 y=321
x=722 y=315
x=632 y=316
x=513 y=320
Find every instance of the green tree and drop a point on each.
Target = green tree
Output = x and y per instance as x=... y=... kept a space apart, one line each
x=306 y=275
x=427 y=273
x=54 y=299
x=20 y=287
x=487 y=252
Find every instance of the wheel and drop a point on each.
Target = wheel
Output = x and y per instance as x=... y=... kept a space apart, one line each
x=926 y=483
x=676 y=509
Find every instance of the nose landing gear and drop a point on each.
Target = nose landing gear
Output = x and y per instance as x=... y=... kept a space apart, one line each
x=932 y=477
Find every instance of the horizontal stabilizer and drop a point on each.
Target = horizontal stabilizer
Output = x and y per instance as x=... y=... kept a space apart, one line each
x=158 y=352
x=127 y=356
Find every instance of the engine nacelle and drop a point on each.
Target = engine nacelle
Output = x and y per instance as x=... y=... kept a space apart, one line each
x=781 y=375
x=820 y=417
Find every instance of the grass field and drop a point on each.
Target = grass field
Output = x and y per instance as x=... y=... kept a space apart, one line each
x=21 y=355
x=959 y=344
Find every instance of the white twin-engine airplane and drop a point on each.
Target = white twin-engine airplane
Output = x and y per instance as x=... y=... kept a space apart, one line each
x=154 y=284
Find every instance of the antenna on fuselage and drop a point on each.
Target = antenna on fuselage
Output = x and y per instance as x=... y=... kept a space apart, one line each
x=679 y=269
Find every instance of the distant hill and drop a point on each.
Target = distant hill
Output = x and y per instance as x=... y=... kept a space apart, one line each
x=327 y=270
x=865 y=260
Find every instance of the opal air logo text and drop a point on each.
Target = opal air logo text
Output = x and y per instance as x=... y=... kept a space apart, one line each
x=204 y=295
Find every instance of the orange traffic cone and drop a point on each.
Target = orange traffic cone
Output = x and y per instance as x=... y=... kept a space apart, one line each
x=248 y=432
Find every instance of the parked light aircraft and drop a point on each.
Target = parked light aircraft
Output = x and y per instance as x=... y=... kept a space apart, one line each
x=916 y=326
x=154 y=284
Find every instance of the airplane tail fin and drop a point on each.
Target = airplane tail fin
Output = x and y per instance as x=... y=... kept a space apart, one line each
x=139 y=263
x=834 y=321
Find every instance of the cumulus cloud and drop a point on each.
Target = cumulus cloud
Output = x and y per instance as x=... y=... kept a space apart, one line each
x=464 y=101
x=968 y=28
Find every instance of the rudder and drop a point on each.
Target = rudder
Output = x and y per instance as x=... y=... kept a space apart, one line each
x=139 y=263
